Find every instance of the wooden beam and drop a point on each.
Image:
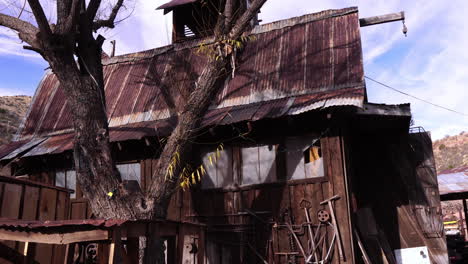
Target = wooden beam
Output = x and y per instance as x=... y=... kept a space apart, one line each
x=55 y=238
x=368 y=109
x=369 y=21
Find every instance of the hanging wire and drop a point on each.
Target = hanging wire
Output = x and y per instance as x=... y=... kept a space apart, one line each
x=417 y=98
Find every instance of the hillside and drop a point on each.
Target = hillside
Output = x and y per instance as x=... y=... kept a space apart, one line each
x=451 y=152
x=12 y=111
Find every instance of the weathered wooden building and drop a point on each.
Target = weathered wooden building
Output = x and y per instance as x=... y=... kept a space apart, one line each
x=297 y=130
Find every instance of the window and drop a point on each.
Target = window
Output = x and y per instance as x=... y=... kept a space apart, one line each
x=258 y=165
x=130 y=171
x=303 y=158
x=66 y=179
x=218 y=170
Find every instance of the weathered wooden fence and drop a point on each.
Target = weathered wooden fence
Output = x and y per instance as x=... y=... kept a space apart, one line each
x=28 y=200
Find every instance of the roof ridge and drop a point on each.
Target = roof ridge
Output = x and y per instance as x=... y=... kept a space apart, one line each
x=259 y=29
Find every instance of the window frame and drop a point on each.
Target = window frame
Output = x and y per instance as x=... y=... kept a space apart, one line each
x=280 y=164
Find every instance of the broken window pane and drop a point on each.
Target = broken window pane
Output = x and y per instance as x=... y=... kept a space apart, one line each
x=303 y=158
x=258 y=165
x=129 y=171
x=60 y=179
x=218 y=168
x=71 y=182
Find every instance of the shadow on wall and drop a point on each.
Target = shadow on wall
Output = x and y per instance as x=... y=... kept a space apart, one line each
x=395 y=185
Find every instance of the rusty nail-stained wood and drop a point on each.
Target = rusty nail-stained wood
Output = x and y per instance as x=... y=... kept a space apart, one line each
x=369 y=21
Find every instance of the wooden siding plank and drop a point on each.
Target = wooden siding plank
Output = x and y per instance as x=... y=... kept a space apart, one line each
x=338 y=187
x=11 y=203
x=61 y=214
x=47 y=209
x=78 y=210
x=30 y=204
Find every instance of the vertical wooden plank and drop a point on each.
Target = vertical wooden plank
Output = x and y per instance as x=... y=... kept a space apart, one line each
x=78 y=210
x=30 y=202
x=103 y=253
x=143 y=175
x=61 y=214
x=79 y=192
x=47 y=209
x=133 y=248
x=201 y=245
x=338 y=187
x=2 y=188
x=11 y=205
x=173 y=210
x=11 y=201
x=47 y=204
x=229 y=207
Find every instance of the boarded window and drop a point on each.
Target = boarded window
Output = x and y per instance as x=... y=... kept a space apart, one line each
x=303 y=158
x=258 y=165
x=218 y=169
x=130 y=171
x=66 y=179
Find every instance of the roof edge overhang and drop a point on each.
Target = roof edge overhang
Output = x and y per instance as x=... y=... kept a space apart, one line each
x=169 y=6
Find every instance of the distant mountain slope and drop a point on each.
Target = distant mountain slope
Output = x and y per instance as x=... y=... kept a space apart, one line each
x=451 y=152
x=12 y=111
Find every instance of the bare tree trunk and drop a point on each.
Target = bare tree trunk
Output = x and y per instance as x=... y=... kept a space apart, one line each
x=94 y=165
x=161 y=189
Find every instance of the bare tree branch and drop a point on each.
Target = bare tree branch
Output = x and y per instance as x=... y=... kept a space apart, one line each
x=63 y=10
x=22 y=9
x=245 y=19
x=41 y=19
x=110 y=21
x=92 y=9
x=228 y=13
x=72 y=17
x=219 y=28
x=27 y=32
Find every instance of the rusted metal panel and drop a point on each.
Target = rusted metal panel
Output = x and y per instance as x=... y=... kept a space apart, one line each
x=453 y=181
x=8 y=148
x=175 y=3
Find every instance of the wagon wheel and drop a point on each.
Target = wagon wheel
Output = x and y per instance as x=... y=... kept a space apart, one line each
x=323 y=216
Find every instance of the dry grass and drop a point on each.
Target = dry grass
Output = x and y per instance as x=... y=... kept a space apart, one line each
x=451 y=152
x=12 y=111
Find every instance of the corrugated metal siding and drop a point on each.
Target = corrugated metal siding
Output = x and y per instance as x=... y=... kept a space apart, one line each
x=289 y=67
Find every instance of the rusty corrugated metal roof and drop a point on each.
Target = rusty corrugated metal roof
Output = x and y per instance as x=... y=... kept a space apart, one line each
x=228 y=115
x=288 y=68
x=170 y=5
x=453 y=180
x=6 y=149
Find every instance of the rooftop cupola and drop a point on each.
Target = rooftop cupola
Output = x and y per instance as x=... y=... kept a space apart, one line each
x=197 y=18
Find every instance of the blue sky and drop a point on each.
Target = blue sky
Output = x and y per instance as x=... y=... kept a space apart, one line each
x=430 y=63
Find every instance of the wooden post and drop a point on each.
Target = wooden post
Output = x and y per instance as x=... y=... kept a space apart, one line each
x=25 y=252
x=115 y=249
x=111 y=252
x=465 y=212
x=133 y=246
x=369 y=21
x=69 y=253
